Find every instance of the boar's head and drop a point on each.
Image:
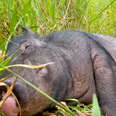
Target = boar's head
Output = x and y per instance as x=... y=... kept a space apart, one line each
x=33 y=50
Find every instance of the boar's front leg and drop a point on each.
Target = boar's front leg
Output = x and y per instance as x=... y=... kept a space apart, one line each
x=105 y=79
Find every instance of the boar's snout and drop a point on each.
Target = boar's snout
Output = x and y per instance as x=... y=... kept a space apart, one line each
x=10 y=106
x=18 y=90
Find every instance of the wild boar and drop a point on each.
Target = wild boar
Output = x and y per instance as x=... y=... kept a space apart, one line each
x=83 y=64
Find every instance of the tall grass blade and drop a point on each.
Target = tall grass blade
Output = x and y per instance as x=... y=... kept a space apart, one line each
x=96 y=109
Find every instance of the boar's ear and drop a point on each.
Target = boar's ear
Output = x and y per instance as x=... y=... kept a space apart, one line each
x=28 y=31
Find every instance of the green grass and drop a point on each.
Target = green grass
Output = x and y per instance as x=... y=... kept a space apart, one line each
x=45 y=16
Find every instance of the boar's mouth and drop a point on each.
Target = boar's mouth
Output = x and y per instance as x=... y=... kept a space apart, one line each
x=2 y=90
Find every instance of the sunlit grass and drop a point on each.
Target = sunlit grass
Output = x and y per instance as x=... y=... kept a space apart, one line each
x=45 y=16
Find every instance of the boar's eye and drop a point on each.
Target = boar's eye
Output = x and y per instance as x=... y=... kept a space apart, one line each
x=27 y=47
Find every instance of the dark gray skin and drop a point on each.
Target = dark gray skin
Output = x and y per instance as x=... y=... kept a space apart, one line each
x=84 y=64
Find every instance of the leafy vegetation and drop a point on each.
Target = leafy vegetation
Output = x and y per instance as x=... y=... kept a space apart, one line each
x=96 y=109
x=44 y=16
